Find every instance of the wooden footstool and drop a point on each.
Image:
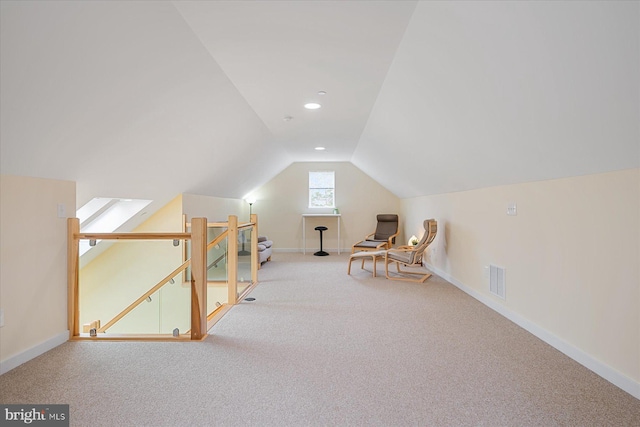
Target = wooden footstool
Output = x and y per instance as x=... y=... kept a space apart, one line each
x=363 y=255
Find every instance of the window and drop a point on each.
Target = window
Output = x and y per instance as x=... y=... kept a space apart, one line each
x=106 y=215
x=322 y=189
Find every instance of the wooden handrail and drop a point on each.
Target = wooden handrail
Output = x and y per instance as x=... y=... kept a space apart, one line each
x=133 y=236
x=146 y=295
x=217 y=240
x=212 y=244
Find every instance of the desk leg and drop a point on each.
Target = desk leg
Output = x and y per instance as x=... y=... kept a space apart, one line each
x=338 y=235
x=304 y=238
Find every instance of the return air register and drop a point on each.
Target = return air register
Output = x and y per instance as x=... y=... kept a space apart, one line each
x=497 y=283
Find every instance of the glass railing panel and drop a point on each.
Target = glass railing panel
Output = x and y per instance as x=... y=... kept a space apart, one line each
x=125 y=271
x=217 y=256
x=217 y=295
x=144 y=319
x=244 y=259
x=175 y=306
x=217 y=273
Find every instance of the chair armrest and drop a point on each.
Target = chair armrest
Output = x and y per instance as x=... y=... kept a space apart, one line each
x=393 y=236
x=404 y=248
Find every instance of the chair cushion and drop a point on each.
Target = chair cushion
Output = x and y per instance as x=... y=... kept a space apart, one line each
x=387 y=226
x=264 y=241
x=405 y=257
x=369 y=244
x=367 y=254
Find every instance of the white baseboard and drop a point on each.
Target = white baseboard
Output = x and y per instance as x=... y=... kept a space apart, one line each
x=33 y=352
x=608 y=373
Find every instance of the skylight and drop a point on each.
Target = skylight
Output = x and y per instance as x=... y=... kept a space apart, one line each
x=106 y=215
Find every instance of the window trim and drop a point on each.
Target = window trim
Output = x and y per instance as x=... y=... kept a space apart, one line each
x=310 y=205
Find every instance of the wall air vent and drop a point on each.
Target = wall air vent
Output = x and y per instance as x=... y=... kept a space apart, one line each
x=497 y=281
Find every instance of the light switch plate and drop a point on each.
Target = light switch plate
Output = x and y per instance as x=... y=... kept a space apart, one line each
x=512 y=209
x=62 y=210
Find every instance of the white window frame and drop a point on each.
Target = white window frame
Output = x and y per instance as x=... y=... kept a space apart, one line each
x=313 y=189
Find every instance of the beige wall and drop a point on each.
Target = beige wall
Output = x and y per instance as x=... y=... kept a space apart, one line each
x=33 y=259
x=571 y=255
x=280 y=203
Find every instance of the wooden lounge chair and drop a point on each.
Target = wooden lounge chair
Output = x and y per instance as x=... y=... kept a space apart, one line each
x=382 y=238
x=411 y=256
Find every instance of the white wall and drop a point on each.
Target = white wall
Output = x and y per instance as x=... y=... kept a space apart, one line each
x=571 y=255
x=215 y=209
x=280 y=203
x=33 y=255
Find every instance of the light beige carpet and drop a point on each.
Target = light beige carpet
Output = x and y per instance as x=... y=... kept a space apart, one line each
x=320 y=348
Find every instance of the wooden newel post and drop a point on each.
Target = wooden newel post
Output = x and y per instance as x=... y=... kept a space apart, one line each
x=232 y=260
x=73 y=267
x=198 y=278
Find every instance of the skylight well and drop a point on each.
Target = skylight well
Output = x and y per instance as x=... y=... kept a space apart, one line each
x=106 y=215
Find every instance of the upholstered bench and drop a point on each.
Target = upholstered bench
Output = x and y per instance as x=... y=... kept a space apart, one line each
x=364 y=255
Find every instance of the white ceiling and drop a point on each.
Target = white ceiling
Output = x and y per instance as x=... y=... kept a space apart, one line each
x=152 y=99
x=279 y=54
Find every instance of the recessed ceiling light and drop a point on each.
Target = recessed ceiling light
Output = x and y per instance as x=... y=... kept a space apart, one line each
x=322 y=92
x=320 y=148
x=312 y=106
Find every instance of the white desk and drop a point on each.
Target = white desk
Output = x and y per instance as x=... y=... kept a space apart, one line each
x=304 y=235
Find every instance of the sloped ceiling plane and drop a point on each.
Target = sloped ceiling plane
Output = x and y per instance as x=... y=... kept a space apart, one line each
x=152 y=99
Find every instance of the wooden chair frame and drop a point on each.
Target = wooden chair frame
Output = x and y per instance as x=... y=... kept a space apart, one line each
x=417 y=251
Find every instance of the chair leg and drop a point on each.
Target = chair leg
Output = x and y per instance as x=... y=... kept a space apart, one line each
x=420 y=279
x=374 y=259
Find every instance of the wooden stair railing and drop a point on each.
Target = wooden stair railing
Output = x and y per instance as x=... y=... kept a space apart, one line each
x=200 y=320
x=198 y=237
x=160 y=284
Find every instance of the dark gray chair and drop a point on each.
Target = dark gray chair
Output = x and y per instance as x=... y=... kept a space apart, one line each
x=382 y=238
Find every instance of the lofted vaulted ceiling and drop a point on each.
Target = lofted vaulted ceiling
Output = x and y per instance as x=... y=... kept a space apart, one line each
x=152 y=99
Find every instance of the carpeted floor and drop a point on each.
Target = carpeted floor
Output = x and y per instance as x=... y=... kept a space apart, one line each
x=320 y=348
